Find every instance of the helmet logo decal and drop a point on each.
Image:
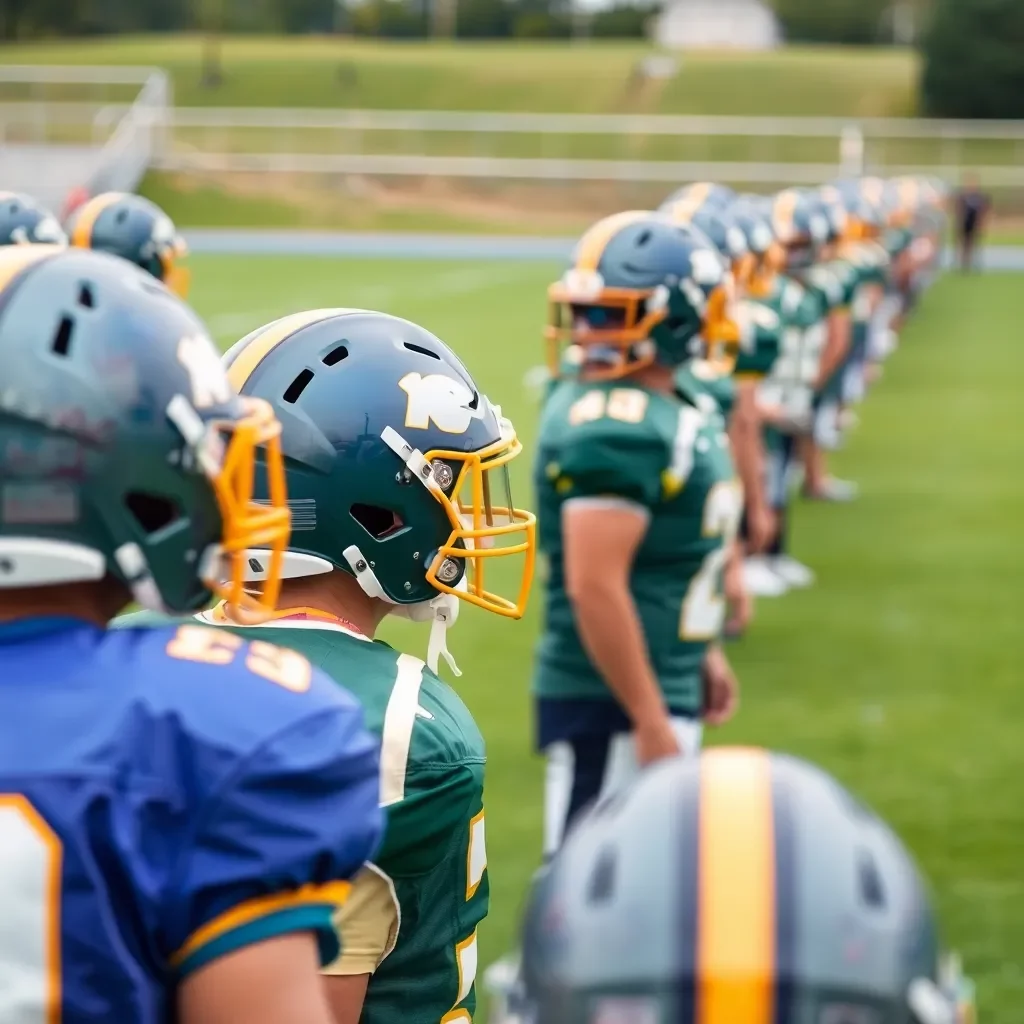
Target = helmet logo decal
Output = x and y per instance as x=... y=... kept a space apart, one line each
x=209 y=379
x=706 y=267
x=439 y=399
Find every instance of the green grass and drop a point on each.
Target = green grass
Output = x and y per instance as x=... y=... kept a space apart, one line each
x=325 y=72
x=900 y=671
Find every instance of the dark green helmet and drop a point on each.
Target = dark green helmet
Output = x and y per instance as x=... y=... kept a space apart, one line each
x=640 y=290
x=24 y=222
x=135 y=229
x=801 y=224
x=124 y=452
x=742 y=887
x=397 y=465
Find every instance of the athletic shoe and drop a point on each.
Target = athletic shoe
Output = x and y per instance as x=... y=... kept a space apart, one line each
x=792 y=572
x=760 y=579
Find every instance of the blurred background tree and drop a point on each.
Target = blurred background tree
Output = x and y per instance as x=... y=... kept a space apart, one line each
x=974 y=59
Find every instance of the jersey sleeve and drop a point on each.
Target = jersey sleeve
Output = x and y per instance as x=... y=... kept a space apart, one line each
x=273 y=850
x=761 y=340
x=367 y=924
x=610 y=460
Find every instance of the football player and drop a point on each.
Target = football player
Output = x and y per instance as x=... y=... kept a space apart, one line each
x=398 y=482
x=740 y=888
x=23 y=222
x=639 y=507
x=741 y=408
x=137 y=230
x=179 y=810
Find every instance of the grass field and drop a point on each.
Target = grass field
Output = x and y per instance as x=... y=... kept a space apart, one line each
x=597 y=77
x=900 y=671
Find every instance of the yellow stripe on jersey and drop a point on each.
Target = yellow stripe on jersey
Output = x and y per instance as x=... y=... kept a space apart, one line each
x=332 y=893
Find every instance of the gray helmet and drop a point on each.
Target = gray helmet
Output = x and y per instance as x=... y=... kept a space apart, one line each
x=740 y=888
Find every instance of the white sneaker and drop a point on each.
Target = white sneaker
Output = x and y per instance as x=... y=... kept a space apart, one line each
x=792 y=572
x=760 y=579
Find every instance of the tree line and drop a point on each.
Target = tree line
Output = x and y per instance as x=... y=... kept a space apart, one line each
x=972 y=49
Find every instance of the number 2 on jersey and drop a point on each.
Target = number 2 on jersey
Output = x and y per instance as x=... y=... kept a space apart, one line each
x=30 y=885
x=704 y=604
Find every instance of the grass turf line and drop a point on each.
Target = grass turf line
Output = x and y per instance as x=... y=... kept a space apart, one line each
x=900 y=671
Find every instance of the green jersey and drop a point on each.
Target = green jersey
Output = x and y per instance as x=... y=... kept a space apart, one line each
x=667 y=455
x=706 y=378
x=789 y=385
x=760 y=334
x=419 y=904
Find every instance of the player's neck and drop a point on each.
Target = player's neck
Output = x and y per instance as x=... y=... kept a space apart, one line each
x=337 y=594
x=655 y=378
x=96 y=603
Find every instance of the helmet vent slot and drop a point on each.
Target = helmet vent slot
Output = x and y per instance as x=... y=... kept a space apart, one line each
x=151 y=511
x=62 y=339
x=85 y=297
x=601 y=884
x=297 y=386
x=872 y=891
x=335 y=356
x=378 y=522
x=413 y=347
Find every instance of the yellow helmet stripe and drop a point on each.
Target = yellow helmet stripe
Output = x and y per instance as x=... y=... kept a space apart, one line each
x=87 y=216
x=736 y=913
x=593 y=244
x=16 y=258
x=682 y=211
x=269 y=338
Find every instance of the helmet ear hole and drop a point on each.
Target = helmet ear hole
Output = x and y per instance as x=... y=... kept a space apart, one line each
x=153 y=512
x=377 y=521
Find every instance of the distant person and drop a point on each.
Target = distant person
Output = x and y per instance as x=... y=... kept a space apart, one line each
x=972 y=211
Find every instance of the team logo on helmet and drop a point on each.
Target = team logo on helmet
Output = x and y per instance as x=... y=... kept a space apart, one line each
x=440 y=399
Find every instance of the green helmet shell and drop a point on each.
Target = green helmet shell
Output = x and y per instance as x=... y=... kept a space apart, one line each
x=105 y=372
x=24 y=222
x=817 y=912
x=135 y=229
x=362 y=397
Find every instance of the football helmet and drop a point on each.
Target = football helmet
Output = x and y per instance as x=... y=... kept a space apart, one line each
x=801 y=224
x=737 y=888
x=752 y=215
x=641 y=290
x=24 y=222
x=124 y=452
x=718 y=226
x=397 y=464
x=137 y=230
x=699 y=195
x=865 y=217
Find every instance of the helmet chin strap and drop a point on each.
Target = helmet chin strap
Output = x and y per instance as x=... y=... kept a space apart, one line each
x=440 y=611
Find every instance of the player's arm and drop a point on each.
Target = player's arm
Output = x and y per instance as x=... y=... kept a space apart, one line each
x=746 y=438
x=248 y=912
x=276 y=981
x=603 y=522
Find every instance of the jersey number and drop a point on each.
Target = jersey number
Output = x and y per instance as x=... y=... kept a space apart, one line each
x=704 y=604
x=215 y=647
x=627 y=405
x=30 y=885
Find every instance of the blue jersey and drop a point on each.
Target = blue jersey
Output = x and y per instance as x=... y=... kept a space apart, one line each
x=166 y=796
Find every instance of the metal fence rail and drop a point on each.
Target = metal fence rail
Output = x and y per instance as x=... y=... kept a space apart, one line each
x=587 y=147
